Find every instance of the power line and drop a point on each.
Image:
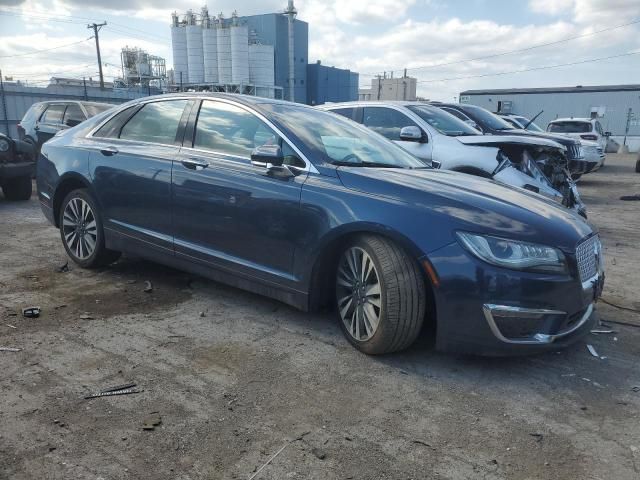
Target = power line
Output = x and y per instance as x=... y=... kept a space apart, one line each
x=45 y=50
x=529 y=69
x=533 y=47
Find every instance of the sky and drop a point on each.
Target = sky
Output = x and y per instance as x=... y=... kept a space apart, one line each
x=444 y=43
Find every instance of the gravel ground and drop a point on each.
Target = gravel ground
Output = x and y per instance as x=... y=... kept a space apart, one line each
x=237 y=378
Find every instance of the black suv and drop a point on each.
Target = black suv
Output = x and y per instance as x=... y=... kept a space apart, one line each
x=44 y=119
x=491 y=124
x=17 y=166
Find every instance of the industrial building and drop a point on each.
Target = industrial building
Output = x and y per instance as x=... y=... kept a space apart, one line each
x=262 y=55
x=139 y=69
x=390 y=88
x=617 y=107
x=330 y=84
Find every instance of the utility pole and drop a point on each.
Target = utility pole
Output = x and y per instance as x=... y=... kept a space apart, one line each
x=626 y=130
x=84 y=84
x=96 y=28
x=4 y=105
x=379 y=85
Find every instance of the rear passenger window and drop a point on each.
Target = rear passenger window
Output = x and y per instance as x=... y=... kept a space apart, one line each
x=156 y=122
x=111 y=129
x=53 y=114
x=231 y=130
x=73 y=115
x=386 y=121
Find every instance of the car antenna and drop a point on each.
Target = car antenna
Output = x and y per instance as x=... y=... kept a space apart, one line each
x=533 y=119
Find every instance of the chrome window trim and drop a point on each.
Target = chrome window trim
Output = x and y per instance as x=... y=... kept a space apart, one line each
x=309 y=166
x=538 y=338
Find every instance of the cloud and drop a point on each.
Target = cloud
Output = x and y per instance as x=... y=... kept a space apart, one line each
x=598 y=12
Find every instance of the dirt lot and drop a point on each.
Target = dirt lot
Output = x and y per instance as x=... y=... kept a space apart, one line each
x=236 y=377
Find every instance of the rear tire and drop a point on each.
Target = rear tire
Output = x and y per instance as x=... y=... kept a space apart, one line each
x=81 y=231
x=380 y=295
x=18 y=188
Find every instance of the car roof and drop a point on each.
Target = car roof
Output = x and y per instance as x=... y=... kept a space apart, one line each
x=573 y=119
x=358 y=103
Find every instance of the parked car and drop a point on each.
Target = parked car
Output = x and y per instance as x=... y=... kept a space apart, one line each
x=491 y=124
x=593 y=154
x=313 y=209
x=44 y=119
x=588 y=129
x=17 y=166
x=438 y=137
x=521 y=122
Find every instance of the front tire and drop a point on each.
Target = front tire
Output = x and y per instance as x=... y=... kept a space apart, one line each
x=18 y=188
x=380 y=296
x=81 y=231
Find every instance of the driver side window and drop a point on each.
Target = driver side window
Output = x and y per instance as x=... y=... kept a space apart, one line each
x=386 y=121
x=231 y=130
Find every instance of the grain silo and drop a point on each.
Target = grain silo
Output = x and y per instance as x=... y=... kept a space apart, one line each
x=194 y=49
x=261 y=65
x=239 y=52
x=209 y=47
x=179 y=47
x=224 y=51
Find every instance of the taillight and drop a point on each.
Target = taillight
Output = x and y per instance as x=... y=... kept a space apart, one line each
x=589 y=137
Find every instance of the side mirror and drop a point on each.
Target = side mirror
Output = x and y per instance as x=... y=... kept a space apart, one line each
x=472 y=124
x=270 y=158
x=607 y=134
x=411 y=134
x=266 y=155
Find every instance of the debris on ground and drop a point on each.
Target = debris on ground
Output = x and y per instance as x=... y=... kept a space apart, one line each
x=320 y=454
x=86 y=316
x=31 y=312
x=270 y=460
x=608 y=302
x=152 y=421
x=202 y=314
x=421 y=442
x=9 y=349
x=148 y=288
x=635 y=388
x=537 y=436
x=63 y=268
x=592 y=351
x=630 y=198
x=598 y=331
x=11 y=326
x=126 y=389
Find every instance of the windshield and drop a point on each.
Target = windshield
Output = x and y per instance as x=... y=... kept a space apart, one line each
x=95 y=108
x=340 y=141
x=486 y=119
x=570 y=127
x=532 y=126
x=442 y=121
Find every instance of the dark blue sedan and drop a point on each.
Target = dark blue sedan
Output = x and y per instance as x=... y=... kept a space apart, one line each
x=311 y=209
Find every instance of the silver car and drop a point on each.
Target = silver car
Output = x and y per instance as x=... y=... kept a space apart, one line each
x=446 y=142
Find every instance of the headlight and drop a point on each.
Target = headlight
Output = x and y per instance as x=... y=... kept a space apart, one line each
x=513 y=254
x=4 y=145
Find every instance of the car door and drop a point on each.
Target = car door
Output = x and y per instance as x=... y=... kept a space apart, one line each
x=50 y=123
x=389 y=122
x=226 y=211
x=130 y=163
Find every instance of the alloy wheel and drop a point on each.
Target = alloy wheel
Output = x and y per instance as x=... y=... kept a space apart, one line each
x=359 y=294
x=79 y=228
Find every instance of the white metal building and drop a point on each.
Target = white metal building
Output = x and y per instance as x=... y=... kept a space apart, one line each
x=384 y=88
x=617 y=107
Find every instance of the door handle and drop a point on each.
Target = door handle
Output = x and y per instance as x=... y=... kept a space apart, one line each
x=108 y=151
x=194 y=164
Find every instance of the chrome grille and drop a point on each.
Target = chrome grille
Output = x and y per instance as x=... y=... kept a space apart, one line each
x=588 y=255
x=574 y=151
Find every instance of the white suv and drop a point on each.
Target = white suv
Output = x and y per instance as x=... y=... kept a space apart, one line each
x=588 y=129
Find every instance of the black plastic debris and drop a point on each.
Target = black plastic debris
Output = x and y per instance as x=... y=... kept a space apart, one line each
x=148 y=288
x=630 y=198
x=31 y=312
x=63 y=268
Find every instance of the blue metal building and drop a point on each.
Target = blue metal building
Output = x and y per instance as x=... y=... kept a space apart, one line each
x=272 y=29
x=330 y=84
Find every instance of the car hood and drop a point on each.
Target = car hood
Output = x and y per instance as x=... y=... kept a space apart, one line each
x=561 y=139
x=466 y=202
x=497 y=140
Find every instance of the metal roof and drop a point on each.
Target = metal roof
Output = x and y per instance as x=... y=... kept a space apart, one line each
x=577 y=89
